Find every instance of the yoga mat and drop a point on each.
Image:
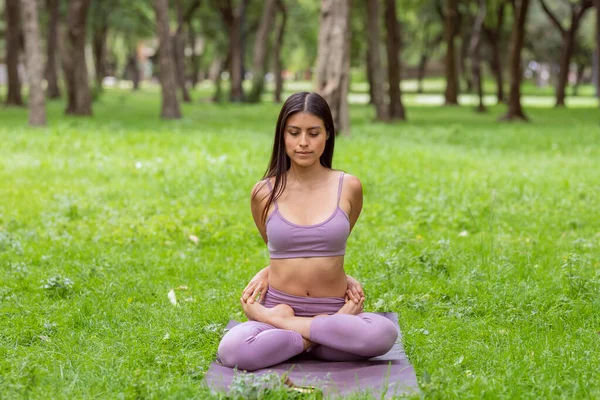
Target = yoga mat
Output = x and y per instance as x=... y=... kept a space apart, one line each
x=385 y=376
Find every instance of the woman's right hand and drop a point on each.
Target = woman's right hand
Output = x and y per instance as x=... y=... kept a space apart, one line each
x=257 y=285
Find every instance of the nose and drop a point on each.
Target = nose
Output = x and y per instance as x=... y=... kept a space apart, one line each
x=303 y=140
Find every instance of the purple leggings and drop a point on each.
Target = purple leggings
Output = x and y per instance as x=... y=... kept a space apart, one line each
x=339 y=337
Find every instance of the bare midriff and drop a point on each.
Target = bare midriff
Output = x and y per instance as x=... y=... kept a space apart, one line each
x=310 y=277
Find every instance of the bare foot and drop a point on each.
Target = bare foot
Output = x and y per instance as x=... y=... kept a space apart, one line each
x=352 y=308
x=258 y=312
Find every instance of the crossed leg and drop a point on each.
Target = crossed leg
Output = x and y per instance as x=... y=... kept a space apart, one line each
x=276 y=335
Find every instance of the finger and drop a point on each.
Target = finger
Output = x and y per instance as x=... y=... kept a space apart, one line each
x=355 y=296
x=253 y=296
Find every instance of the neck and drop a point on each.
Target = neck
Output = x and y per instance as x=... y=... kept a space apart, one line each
x=309 y=174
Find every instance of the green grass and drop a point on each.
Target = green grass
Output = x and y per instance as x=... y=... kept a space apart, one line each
x=483 y=236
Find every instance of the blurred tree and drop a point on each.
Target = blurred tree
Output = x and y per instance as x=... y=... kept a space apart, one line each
x=451 y=19
x=374 y=60
x=233 y=18
x=515 y=111
x=393 y=45
x=99 y=24
x=79 y=100
x=474 y=52
x=13 y=49
x=277 y=64
x=577 y=10
x=492 y=28
x=51 y=71
x=261 y=49
x=183 y=20
x=168 y=80
x=333 y=60
x=33 y=55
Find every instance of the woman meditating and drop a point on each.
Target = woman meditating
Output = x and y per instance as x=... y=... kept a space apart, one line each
x=304 y=211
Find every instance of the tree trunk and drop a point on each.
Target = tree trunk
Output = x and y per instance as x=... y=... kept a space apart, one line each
x=232 y=19
x=13 y=48
x=496 y=64
x=179 y=54
x=261 y=48
x=578 y=78
x=451 y=92
x=333 y=60
x=37 y=104
x=195 y=57
x=424 y=59
x=132 y=69
x=493 y=35
x=568 y=44
x=373 y=34
x=80 y=99
x=393 y=43
x=168 y=81
x=277 y=52
x=52 y=49
x=515 y=110
x=369 y=75
x=99 y=49
x=465 y=42
x=474 y=50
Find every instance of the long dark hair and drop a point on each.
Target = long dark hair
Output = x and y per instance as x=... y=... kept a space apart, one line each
x=308 y=102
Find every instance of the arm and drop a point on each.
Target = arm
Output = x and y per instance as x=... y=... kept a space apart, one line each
x=260 y=282
x=354 y=187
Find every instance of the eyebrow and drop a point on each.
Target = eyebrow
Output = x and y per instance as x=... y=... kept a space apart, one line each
x=297 y=127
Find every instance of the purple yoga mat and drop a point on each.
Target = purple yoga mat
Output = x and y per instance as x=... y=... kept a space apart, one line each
x=390 y=374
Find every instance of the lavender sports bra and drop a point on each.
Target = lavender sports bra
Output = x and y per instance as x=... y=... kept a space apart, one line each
x=326 y=239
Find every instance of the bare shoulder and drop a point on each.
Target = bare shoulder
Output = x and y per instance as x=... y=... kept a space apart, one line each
x=353 y=185
x=260 y=191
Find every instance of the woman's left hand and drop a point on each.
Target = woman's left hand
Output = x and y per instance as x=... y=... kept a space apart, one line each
x=354 y=291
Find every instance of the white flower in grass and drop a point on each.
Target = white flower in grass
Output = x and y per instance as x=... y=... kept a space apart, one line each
x=138 y=165
x=463 y=234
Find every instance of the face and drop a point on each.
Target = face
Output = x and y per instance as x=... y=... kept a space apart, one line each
x=305 y=138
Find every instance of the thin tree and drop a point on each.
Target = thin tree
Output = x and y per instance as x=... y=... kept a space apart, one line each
x=179 y=53
x=451 y=26
x=261 y=48
x=76 y=72
x=515 y=111
x=578 y=9
x=99 y=38
x=333 y=60
x=393 y=43
x=278 y=65
x=373 y=34
x=492 y=28
x=233 y=20
x=33 y=55
x=168 y=82
x=13 y=48
x=51 y=71
x=188 y=22
x=474 y=50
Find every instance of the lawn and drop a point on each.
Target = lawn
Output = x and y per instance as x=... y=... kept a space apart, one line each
x=483 y=236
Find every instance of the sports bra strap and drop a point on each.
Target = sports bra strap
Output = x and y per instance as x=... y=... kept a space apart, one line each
x=340 y=188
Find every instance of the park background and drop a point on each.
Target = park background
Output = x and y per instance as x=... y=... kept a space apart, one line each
x=132 y=132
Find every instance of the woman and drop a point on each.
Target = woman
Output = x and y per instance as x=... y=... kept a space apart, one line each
x=304 y=211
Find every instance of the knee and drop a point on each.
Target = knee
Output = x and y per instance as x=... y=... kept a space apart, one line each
x=233 y=353
x=382 y=337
